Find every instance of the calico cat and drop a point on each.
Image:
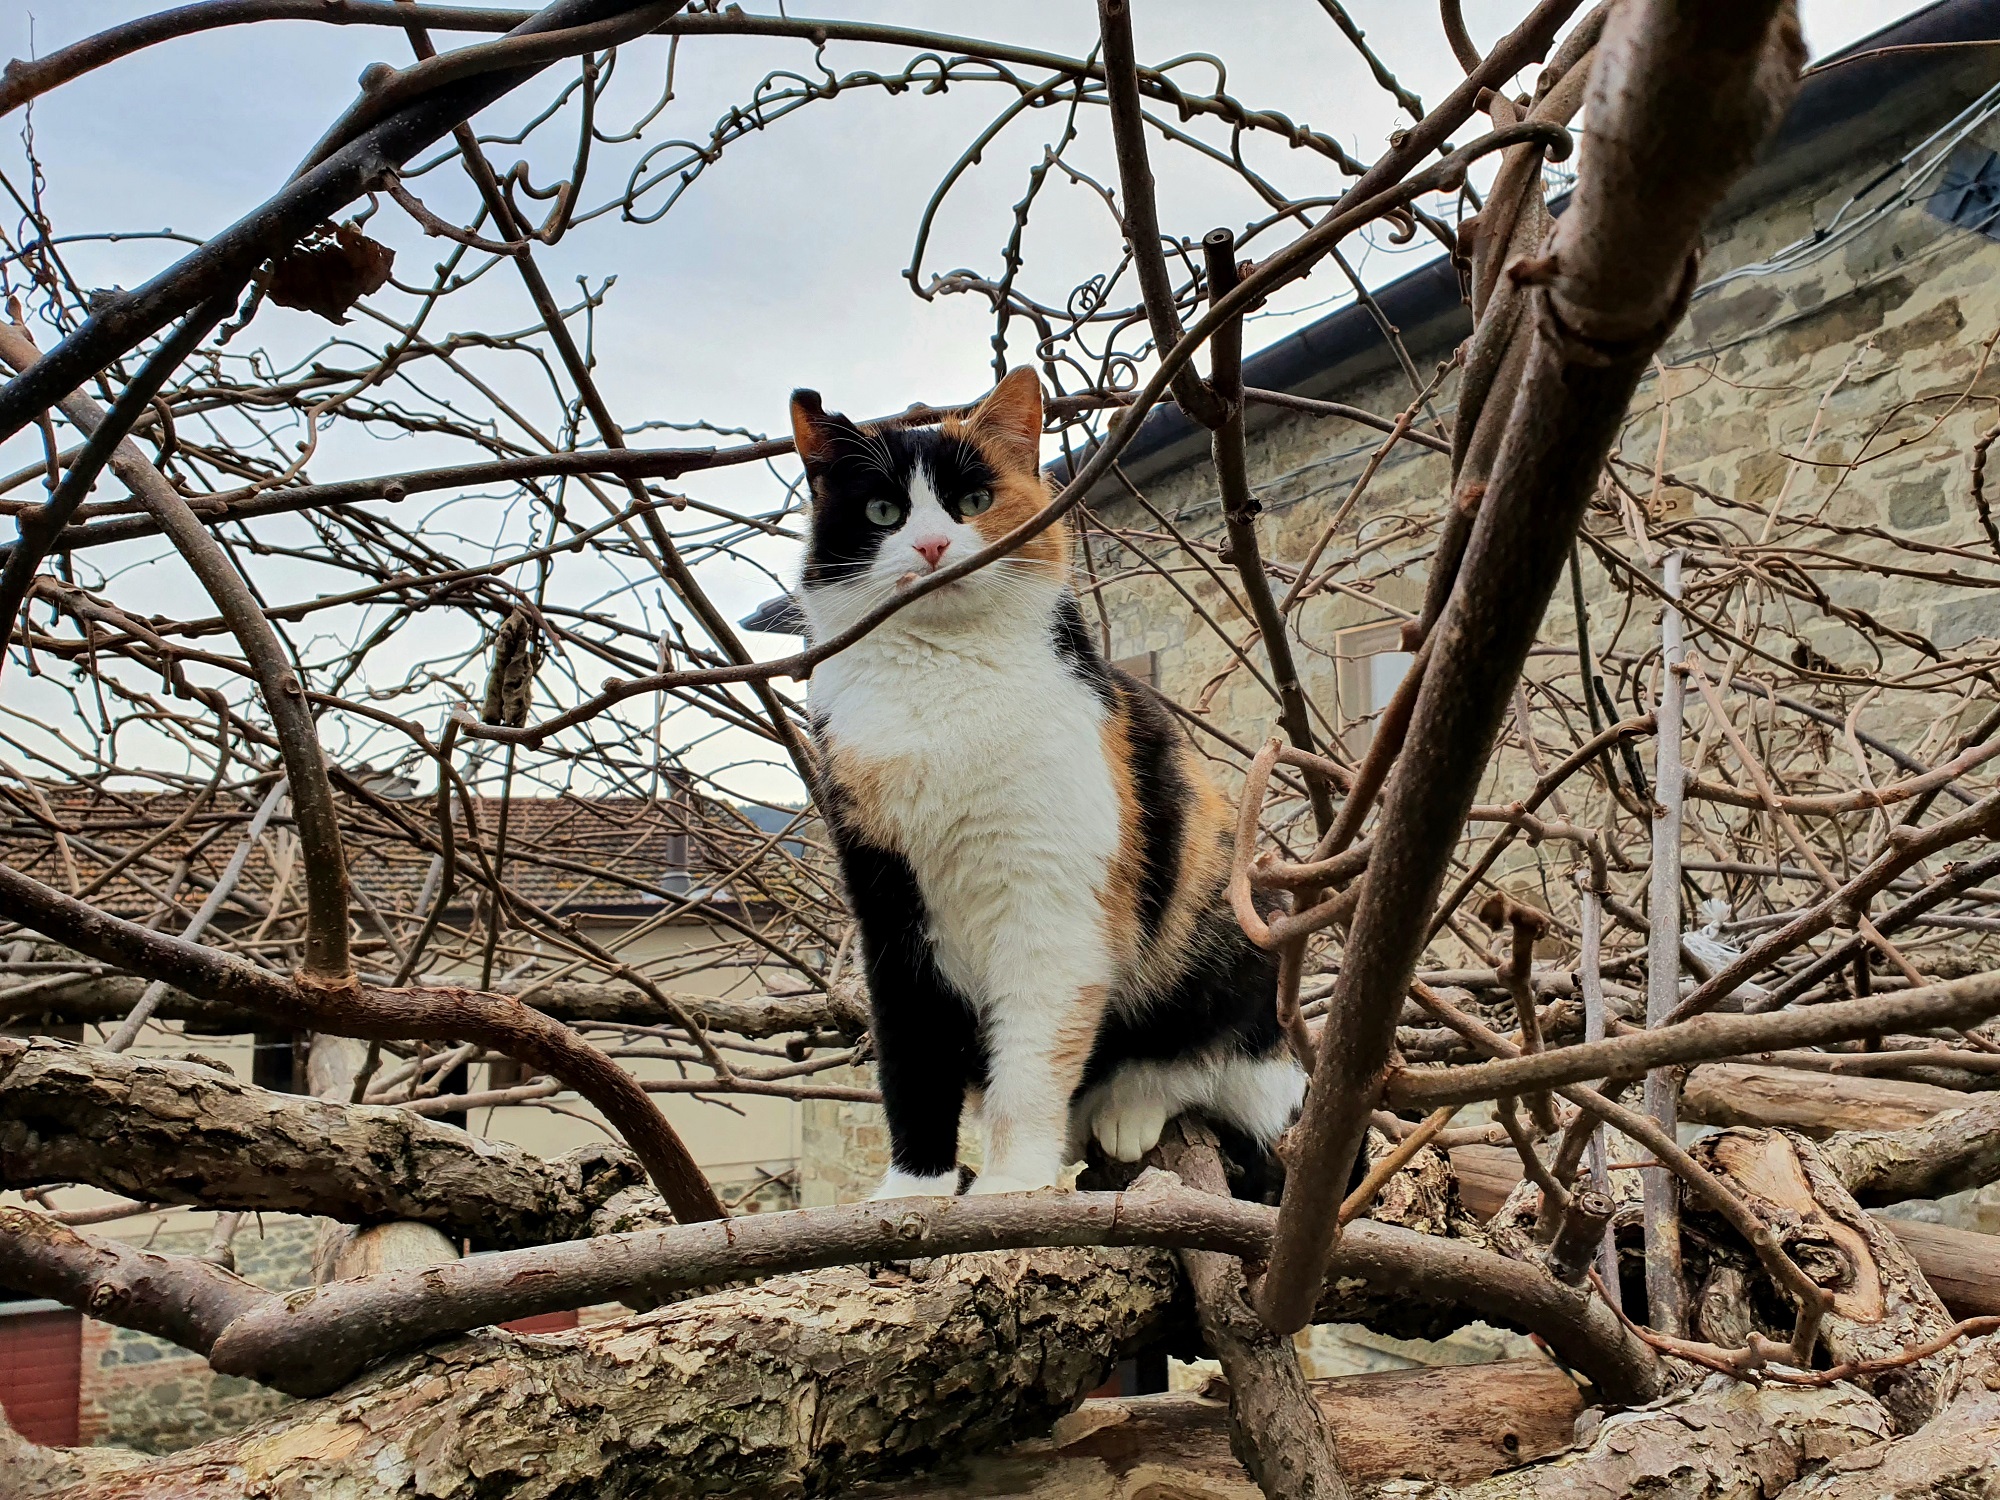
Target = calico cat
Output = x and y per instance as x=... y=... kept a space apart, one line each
x=1031 y=849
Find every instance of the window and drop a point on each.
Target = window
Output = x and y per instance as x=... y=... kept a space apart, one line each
x=1371 y=663
x=1969 y=196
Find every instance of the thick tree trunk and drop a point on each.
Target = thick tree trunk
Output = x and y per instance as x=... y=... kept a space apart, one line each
x=1947 y=1153
x=1728 y=1441
x=1442 y=1435
x=1881 y=1303
x=801 y=1384
x=1961 y=1265
x=1454 y=1424
x=1955 y=1457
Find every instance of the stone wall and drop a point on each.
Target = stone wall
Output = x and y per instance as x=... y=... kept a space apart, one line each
x=142 y=1392
x=843 y=1148
x=1852 y=384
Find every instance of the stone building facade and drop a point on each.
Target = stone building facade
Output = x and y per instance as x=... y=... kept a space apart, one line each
x=1849 y=298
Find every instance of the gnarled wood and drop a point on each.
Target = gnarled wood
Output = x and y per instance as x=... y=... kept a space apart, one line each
x=801 y=1384
x=1275 y=1430
x=1954 y=1457
x=177 y=1132
x=1961 y=1265
x=1439 y=1441
x=346 y=1250
x=1881 y=1303
x=1727 y=1442
x=1454 y=1423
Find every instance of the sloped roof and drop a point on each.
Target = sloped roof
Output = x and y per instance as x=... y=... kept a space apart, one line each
x=566 y=853
x=1922 y=67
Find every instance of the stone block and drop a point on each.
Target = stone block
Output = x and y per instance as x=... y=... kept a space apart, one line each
x=1919 y=502
x=1843 y=320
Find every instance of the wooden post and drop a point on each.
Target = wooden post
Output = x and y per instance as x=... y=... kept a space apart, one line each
x=1665 y=1298
x=1590 y=980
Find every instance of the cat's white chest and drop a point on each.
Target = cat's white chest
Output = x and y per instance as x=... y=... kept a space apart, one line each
x=982 y=763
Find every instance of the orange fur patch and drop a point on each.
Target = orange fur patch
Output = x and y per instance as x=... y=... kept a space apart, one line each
x=1119 y=896
x=869 y=785
x=1202 y=872
x=1006 y=428
x=1077 y=1035
x=1017 y=499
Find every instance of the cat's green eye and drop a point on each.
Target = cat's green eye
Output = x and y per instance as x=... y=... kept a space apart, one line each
x=884 y=512
x=976 y=502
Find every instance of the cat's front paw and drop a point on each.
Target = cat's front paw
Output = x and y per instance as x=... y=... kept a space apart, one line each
x=897 y=1183
x=1127 y=1131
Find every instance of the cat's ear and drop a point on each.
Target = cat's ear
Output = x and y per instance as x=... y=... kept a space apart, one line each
x=815 y=430
x=1010 y=419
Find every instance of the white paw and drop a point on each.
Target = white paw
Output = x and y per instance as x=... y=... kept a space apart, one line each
x=897 y=1183
x=1001 y=1182
x=1127 y=1131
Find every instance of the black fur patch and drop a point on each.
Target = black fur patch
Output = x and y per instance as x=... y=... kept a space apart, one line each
x=1079 y=652
x=1161 y=788
x=928 y=1050
x=1157 y=779
x=857 y=466
x=1226 y=1000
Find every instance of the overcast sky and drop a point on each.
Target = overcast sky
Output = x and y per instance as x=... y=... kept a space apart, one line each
x=782 y=265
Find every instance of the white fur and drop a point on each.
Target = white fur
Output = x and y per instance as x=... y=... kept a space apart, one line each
x=896 y=1183
x=1128 y=1110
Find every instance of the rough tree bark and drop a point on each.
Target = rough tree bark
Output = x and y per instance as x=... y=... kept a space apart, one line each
x=1881 y=1303
x=1955 y=1457
x=1815 y=1103
x=1436 y=1435
x=1727 y=1442
x=341 y=1249
x=1455 y=1423
x=1947 y=1153
x=801 y=1384
x=1276 y=1430
x=178 y=1132
x=390 y=1015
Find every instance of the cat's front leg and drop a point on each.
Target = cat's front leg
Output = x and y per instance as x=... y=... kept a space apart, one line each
x=926 y=1046
x=1037 y=1045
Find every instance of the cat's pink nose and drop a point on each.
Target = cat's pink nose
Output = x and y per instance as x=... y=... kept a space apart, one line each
x=932 y=549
